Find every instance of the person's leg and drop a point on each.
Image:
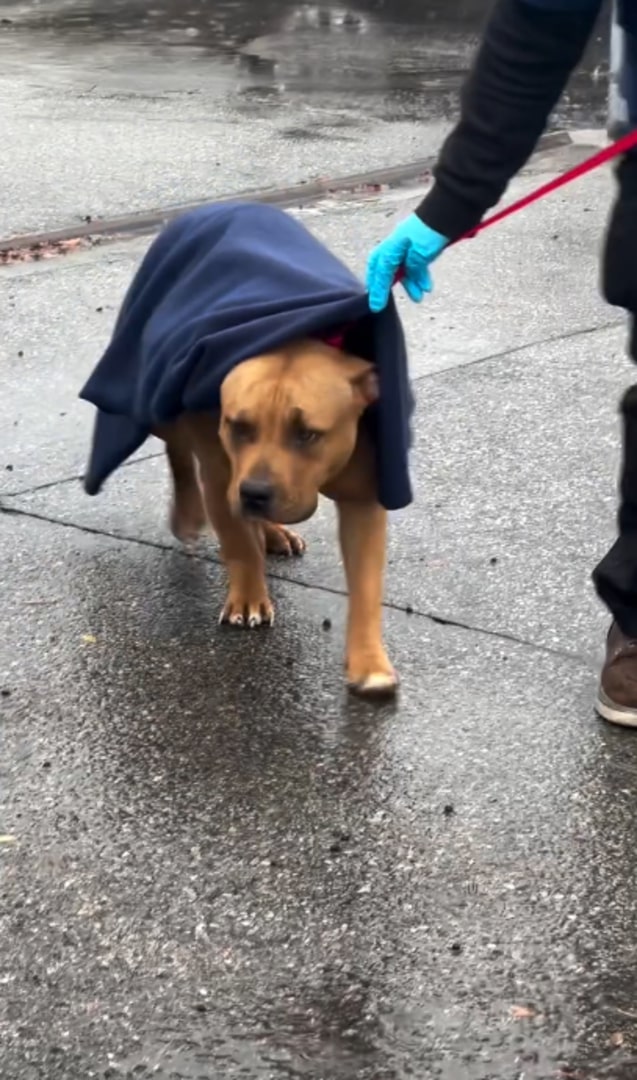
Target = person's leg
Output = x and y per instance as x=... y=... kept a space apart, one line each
x=615 y=577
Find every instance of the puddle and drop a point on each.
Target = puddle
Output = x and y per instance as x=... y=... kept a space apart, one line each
x=391 y=59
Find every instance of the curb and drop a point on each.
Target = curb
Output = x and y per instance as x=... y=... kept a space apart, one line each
x=145 y=221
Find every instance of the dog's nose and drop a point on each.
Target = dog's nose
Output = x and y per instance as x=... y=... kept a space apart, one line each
x=256 y=497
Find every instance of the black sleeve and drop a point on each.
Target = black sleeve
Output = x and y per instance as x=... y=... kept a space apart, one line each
x=522 y=66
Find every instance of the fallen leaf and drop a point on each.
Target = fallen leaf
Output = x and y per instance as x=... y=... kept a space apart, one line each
x=89 y=639
x=522 y=1012
x=617 y=1038
x=42 y=249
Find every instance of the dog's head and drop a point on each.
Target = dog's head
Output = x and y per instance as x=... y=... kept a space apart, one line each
x=289 y=423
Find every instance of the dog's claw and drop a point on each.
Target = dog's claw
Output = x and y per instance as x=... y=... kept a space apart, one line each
x=284 y=542
x=372 y=675
x=248 y=615
x=376 y=685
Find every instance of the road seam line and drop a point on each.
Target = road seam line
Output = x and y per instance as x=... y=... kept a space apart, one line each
x=515 y=349
x=438 y=620
x=21 y=492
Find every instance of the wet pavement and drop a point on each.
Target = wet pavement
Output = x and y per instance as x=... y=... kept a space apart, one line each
x=215 y=878
x=225 y=96
x=214 y=864
x=398 y=59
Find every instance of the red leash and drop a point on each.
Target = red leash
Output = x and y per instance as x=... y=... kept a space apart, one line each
x=621 y=146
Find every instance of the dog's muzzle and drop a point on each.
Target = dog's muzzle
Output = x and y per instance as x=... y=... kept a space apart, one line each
x=256 y=498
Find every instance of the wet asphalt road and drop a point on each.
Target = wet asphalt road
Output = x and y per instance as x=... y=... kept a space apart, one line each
x=212 y=863
x=399 y=59
x=112 y=106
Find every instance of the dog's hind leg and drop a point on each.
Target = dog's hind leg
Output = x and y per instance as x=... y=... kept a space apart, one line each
x=279 y=540
x=187 y=513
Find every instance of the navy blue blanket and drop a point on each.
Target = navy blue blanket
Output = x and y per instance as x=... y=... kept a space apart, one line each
x=222 y=284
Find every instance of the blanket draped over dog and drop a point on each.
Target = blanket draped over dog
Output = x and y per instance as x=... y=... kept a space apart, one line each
x=222 y=284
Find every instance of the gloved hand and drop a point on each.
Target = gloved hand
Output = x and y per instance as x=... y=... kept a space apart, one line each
x=412 y=245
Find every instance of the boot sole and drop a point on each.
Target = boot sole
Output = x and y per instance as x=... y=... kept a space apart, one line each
x=615 y=714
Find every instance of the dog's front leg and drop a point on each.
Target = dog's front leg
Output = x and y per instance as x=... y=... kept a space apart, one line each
x=248 y=602
x=363 y=536
x=242 y=545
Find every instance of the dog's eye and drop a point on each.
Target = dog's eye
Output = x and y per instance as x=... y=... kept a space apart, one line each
x=241 y=430
x=304 y=436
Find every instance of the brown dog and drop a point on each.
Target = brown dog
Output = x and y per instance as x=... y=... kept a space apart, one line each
x=287 y=432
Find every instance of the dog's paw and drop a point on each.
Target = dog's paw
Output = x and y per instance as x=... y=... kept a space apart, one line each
x=247 y=611
x=279 y=540
x=371 y=676
x=187 y=519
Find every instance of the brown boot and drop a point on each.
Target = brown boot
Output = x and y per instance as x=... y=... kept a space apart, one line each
x=617 y=693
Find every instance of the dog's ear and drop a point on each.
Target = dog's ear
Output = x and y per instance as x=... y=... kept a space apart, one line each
x=364 y=379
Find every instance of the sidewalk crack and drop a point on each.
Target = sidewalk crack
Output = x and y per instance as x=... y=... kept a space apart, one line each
x=429 y=616
x=553 y=339
x=48 y=484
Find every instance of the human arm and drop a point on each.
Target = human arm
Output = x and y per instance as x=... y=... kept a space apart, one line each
x=528 y=51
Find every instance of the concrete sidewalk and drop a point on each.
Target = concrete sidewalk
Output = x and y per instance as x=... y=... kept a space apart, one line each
x=220 y=867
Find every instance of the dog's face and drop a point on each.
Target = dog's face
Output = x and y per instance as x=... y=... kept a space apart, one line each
x=289 y=424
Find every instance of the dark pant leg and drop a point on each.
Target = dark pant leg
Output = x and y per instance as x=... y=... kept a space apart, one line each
x=615 y=578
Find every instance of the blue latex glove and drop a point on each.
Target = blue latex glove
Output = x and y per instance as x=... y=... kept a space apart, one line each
x=413 y=245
